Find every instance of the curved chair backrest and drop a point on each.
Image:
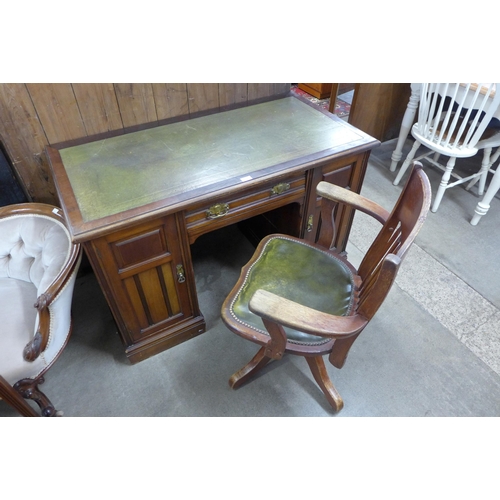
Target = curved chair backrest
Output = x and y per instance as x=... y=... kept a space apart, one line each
x=452 y=117
x=35 y=245
x=381 y=263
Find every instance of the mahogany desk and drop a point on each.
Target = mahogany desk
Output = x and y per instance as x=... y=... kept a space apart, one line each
x=137 y=200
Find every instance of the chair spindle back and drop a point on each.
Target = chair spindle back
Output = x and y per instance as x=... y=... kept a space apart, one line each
x=454 y=116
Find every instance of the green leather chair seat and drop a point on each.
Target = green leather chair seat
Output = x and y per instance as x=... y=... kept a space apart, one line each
x=297 y=271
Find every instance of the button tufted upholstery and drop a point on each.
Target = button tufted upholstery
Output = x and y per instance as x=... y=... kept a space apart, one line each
x=33 y=248
x=38 y=266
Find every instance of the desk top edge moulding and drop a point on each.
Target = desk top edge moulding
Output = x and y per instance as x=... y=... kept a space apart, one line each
x=105 y=182
x=136 y=201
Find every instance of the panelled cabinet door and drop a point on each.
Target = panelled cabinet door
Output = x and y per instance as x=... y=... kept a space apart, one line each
x=148 y=280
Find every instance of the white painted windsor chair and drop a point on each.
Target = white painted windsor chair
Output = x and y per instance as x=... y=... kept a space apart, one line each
x=454 y=119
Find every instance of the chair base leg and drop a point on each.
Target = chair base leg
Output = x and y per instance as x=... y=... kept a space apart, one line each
x=443 y=185
x=250 y=369
x=28 y=389
x=484 y=205
x=318 y=369
x=406 y=163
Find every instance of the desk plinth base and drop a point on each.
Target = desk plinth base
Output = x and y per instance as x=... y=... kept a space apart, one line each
x=165 y=340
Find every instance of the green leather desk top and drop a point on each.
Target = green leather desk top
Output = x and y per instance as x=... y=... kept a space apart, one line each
x=128 y=171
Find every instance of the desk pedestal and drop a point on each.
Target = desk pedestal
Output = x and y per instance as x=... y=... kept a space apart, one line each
x=146 y=275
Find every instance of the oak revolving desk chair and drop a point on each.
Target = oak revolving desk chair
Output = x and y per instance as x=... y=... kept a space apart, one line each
x=306 y=299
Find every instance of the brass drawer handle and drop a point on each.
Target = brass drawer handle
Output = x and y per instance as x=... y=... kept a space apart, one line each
x=280 y=188
x=310 y=223
x=181 y=278
x=217 y=210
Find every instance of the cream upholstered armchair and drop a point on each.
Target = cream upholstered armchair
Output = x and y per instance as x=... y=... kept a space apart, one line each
x=38 y=267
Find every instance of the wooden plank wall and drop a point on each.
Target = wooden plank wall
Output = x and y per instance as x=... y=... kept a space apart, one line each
x=33 y=115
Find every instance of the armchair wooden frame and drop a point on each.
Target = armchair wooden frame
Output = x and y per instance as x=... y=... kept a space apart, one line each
x=39 y=341
x=373 y=281
x=28 y=387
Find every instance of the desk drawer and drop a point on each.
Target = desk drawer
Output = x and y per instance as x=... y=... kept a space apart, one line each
x=221 y=211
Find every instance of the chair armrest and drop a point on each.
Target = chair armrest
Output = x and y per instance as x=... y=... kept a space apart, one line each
x=39 y=341
x=285 y=312
x=342 y=195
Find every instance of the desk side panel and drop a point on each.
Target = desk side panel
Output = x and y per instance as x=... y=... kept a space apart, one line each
x=148 y=281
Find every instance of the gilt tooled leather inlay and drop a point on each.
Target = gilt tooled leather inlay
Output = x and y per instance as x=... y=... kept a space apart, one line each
x=299 y=272
x=131 y=170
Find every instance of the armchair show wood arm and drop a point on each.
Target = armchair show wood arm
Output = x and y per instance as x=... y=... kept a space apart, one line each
x=271 y=307
x=39 y=341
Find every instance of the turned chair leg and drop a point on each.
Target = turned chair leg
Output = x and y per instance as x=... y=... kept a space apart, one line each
x=28 y=389
x=406 y=124
x=484 y=205
x=318 y=369
x=250 y=369
x=406 y=163
x=443 y=185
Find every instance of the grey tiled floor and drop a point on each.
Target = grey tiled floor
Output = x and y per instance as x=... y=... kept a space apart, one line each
x=431 y=350
x=448 y=252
